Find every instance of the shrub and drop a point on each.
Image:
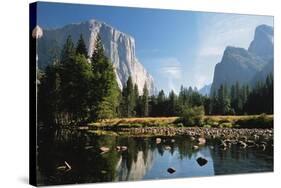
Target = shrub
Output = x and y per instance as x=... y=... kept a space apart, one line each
x=193 y=116
x=179 y=125
x=261 y=121
x=226 y=125
x=207 y=126
x=211 y=122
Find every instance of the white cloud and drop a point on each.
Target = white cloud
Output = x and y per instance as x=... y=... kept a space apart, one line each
x=168 y=71
x=170 y=67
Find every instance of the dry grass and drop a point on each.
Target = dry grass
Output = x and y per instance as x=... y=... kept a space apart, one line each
x=233 y=118
x=145 y=121
x=212 y=121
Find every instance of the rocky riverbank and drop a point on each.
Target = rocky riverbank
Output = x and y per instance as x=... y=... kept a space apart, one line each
x=227 y=136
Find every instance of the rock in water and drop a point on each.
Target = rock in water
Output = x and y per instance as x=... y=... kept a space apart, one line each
x=167 y=148
x=104 y=149
x=119 y=48
x=171 y=170
x=201 y=141
x=118 y=148
x=201 y=161
x=124 y=148
x=195 y=147
x=192 y=138
x=158 y=140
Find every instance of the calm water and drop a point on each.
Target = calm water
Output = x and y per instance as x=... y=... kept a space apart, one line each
x=143 y=159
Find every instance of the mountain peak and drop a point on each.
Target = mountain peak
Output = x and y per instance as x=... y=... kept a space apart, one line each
x=231 y=50
x=262 y=45
x=264 y=29
x=118 y=47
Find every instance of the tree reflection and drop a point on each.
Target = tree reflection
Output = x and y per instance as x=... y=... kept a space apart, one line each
x=143 y=158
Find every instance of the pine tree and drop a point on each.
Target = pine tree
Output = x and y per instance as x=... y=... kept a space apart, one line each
x=128 y=102
x=223 y=100
x=49 y=95
x=105 y=93
x=136 y=100
x=144 y=105
x=68 y=50
x=81 y=47
x=76 y=76
x=172 y=104
x=161 y=108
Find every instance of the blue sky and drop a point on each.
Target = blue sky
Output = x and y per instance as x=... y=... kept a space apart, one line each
x=176 y=47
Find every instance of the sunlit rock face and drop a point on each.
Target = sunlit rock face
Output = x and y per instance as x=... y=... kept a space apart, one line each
x=137 y=169
x=119 y=48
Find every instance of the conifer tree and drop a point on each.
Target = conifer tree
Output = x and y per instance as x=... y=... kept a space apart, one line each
x=68 y=50
x=81 y=47
x=105 y=92
x=144 y=102
x=136 y=99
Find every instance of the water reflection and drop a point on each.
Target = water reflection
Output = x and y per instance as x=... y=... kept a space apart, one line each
x=143 y=159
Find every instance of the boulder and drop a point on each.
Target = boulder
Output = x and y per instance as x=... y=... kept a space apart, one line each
x=124 y=148
x=201 y=141
x=201 y=161
x=158 y=140
x=171 y=170
x=167 y=148
x=104 y=149
x=118 y=148
x=195 y=147
x=242 y=144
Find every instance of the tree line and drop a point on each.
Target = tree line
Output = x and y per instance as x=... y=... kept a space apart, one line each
x=242 y=99
x=78 y=88
x=227 y=100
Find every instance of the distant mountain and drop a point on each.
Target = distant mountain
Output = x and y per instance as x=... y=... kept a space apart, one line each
x=246 y=66
x=205 y=90
x=262 y=45
x=119 y=47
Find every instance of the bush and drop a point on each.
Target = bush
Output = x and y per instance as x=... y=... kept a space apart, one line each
x=226 y=125
x=207 y=126
x=193 y=116
x=211 y=122
x=261 y=121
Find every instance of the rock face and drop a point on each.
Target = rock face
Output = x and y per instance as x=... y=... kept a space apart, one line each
x=246 y=66
x=119 y=47
x=262 y=45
